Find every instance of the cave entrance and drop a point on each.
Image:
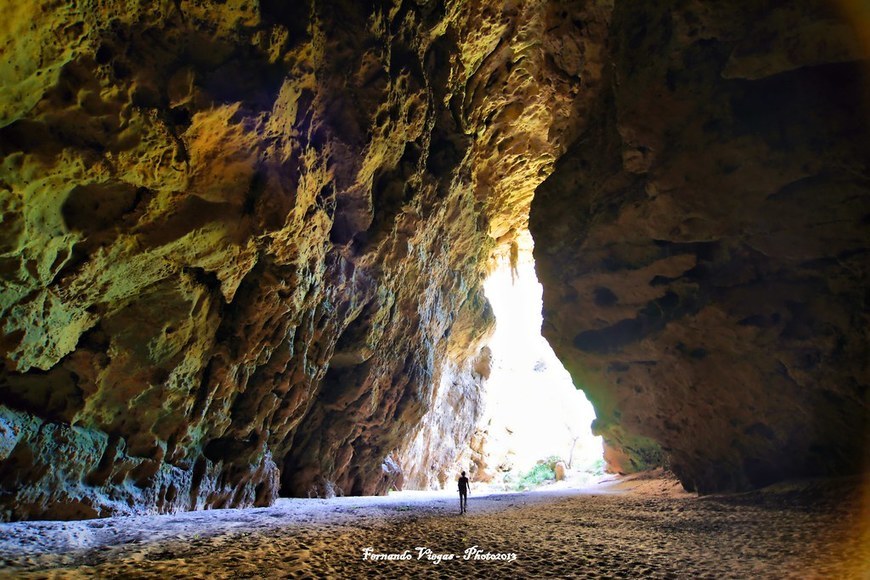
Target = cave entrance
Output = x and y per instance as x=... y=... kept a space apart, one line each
x=533 y=411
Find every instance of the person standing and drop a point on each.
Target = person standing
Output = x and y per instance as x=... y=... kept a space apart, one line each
x=463 y=493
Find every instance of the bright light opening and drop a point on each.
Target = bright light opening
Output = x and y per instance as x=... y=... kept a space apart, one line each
x=533 y=410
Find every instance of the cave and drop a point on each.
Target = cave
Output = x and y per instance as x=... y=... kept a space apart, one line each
x=243 y=248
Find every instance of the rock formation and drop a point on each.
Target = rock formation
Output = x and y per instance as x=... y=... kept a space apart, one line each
x=242 y=242
x=443 y=444
x=703 y=246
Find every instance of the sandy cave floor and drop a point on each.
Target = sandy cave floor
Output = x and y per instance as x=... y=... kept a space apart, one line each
x=639 y=527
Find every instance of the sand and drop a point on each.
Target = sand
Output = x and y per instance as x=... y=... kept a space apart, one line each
x=640 y=527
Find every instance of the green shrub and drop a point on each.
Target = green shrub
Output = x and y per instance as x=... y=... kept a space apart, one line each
x=536 y=476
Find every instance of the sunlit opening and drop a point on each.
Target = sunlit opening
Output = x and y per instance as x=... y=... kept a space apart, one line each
x=533 y=410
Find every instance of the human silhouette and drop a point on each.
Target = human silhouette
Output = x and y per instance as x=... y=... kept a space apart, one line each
x=463 y=493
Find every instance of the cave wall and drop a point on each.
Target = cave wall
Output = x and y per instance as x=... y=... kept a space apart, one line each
x=242 y=242
x=703 y=246
x=443 y=444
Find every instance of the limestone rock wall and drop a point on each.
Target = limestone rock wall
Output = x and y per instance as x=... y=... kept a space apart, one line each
x=442 y=444
x=241 y=240
x=703 y=246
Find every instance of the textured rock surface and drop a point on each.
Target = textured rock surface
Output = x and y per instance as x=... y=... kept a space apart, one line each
x=242 y=241
x=704 y=245
x=442 y=445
